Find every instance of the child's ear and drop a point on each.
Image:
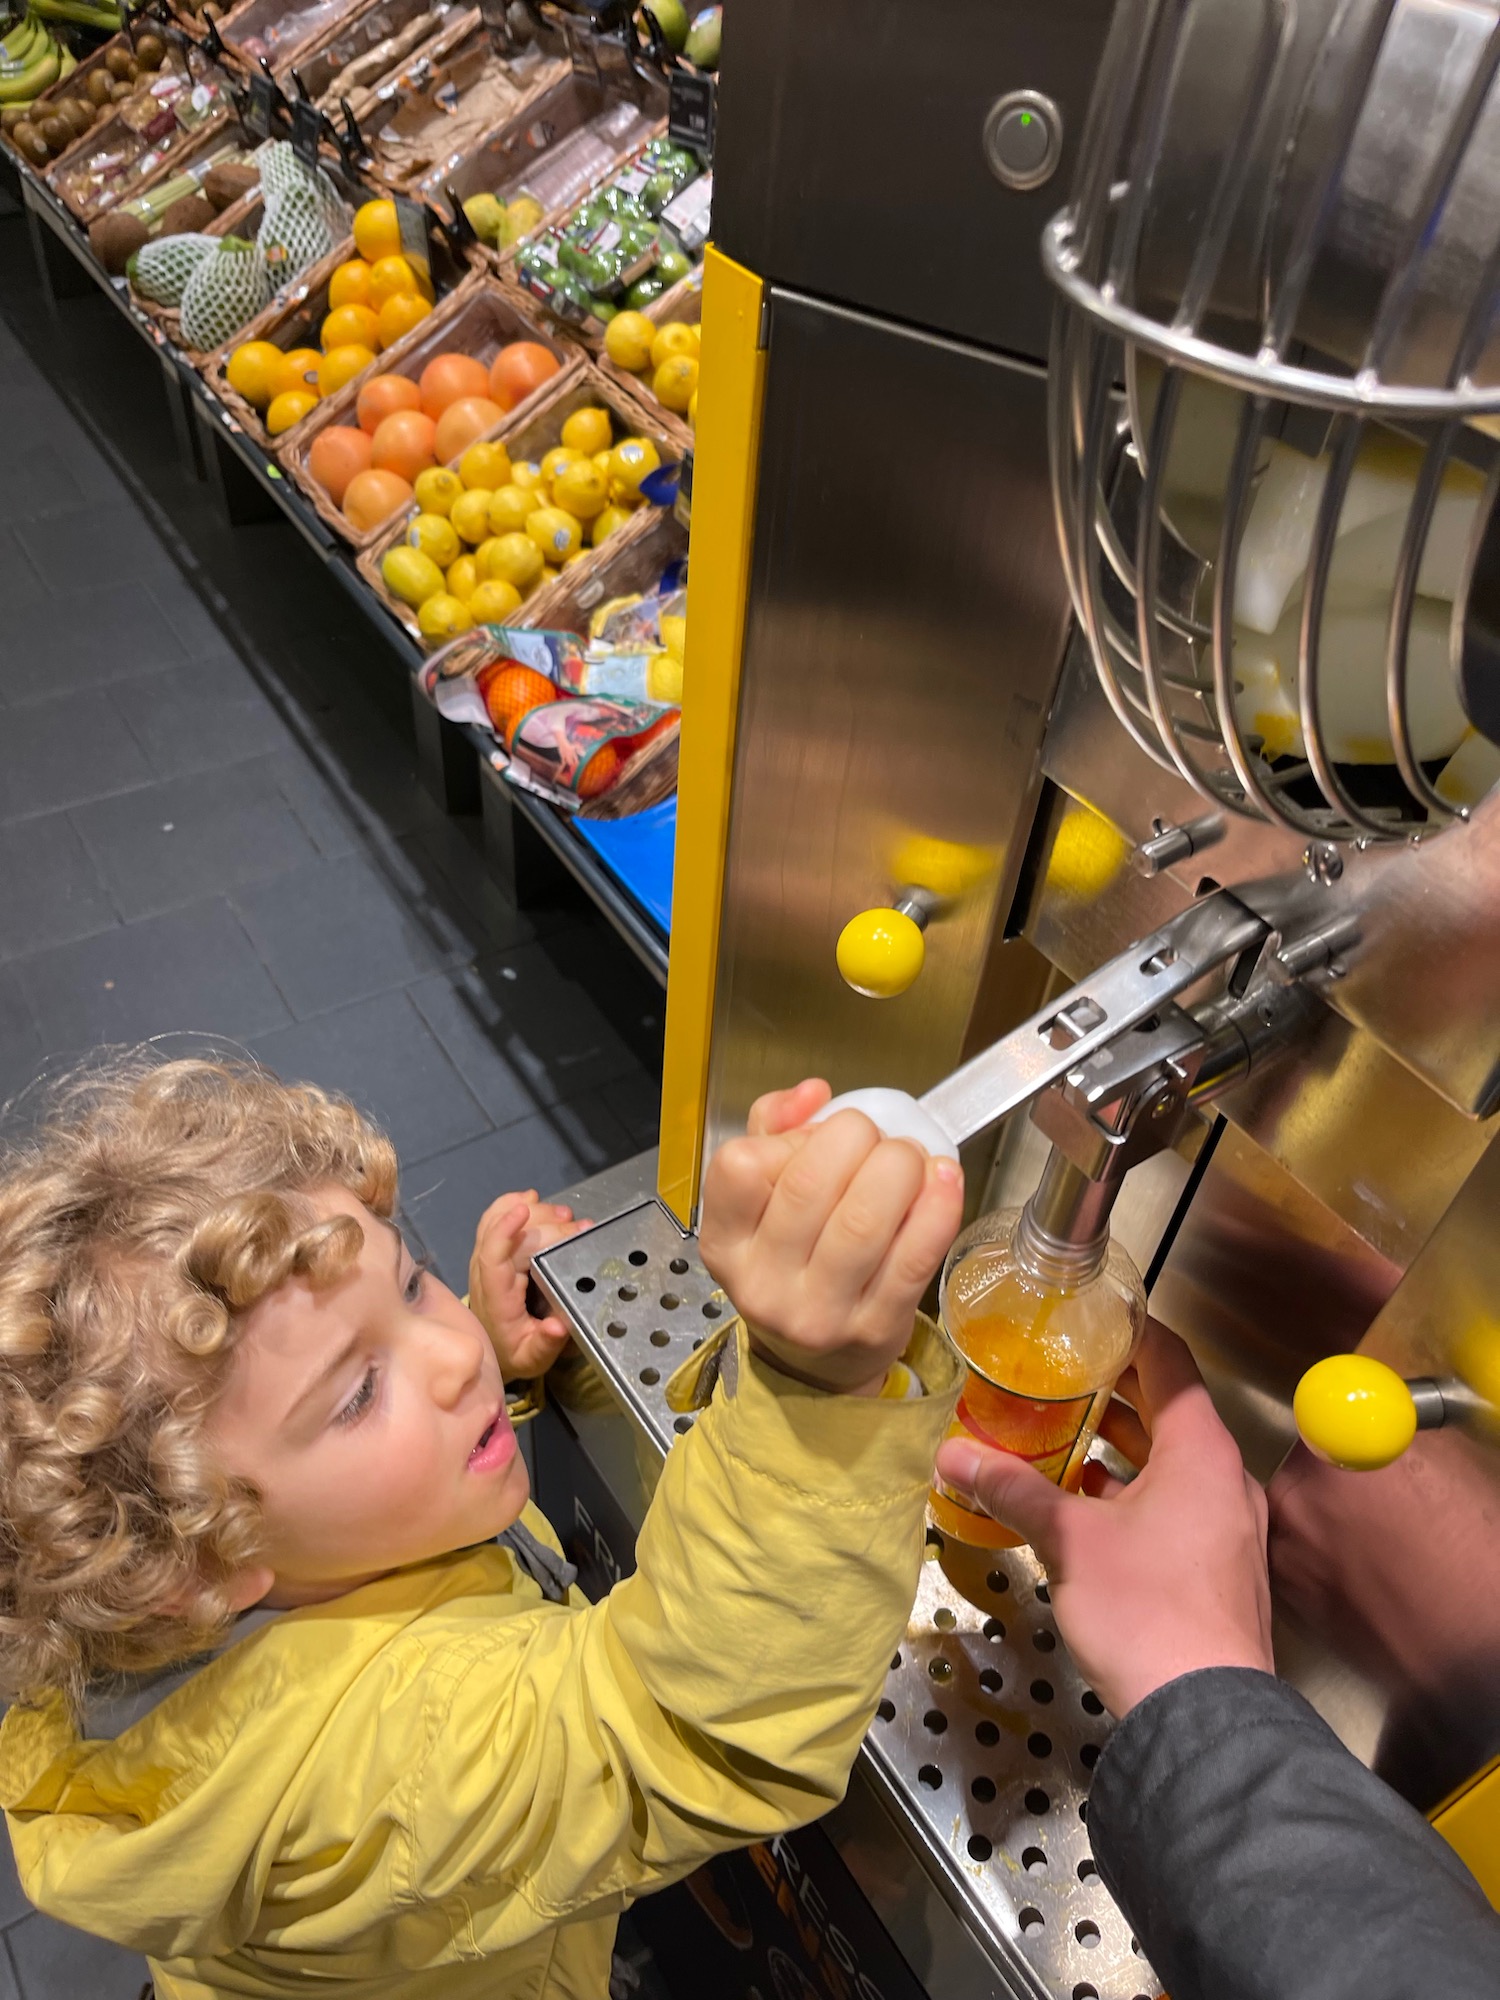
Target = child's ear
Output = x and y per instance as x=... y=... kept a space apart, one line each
x=249 y=1586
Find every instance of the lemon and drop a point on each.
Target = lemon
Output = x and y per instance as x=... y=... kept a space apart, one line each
x=510 y=509
x=555 y=531
x=443 y=617
x=289 y=408
x=410 y=575
x=470 y=514
x=676 y=381
x=486 y=464
x=621 y=495
x=674 y=338
x=435 y=537
x=674 y=633
x=463 y=578
x=588 y=430
x=605 y=523
x=248 y=371
x=494 y=602
x=602 y=460
x=554 y=461
x=349 y=285
x=582 y=489
x=664 y=678
x=436 y=489
x=633 y=460
x=578 y=556
x=513 y=559
x=627 y=341
x=526 y=473
x=391 y=277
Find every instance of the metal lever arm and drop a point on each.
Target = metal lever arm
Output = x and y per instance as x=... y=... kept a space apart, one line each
x=1121 y=994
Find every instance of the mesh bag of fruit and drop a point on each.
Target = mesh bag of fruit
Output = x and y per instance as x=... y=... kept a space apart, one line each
x=304 y=217
x=223 y=292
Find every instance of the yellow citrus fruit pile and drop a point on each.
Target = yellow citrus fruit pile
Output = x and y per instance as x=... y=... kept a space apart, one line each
x=374 y=300
x=665 y=358
x=489 y=535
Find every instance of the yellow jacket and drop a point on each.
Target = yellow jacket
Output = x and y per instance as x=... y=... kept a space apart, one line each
x=441 y=1786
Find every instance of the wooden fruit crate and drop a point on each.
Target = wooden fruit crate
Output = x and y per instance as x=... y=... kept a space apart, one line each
x=478 y=319
x=682 y=301
x=296 y=31
x=632 y=559
x=530 y=436
x=168 y=156
x=457 y=61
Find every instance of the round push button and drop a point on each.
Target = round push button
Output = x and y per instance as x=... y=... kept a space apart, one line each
x=1023 y=139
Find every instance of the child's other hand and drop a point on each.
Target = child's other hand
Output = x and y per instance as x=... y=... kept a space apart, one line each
x=826 y=1237
x=511 y=1232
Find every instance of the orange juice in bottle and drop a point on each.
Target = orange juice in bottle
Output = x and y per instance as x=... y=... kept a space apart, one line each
x=1046 y=1327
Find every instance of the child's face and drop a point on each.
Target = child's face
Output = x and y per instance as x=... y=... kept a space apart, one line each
x=370 y=1414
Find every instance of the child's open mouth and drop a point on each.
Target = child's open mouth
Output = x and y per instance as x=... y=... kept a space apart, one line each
x=496 y=1446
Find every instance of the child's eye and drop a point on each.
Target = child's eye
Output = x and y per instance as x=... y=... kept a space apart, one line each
x=360 y=1401
x=413 y=1288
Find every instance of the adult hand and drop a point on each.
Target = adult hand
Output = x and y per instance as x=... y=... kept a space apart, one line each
x=511 y=1232
x=826 y=1237
x=1154 y=1579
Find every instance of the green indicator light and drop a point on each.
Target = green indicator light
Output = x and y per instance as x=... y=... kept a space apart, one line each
x=1025 y=117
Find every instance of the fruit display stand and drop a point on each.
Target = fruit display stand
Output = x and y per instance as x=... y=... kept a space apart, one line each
x=241 y=218
x=684 y=303
x=280 y=33
x=477 y=319
x=633 y=559
x=180 y=150
x=376 y=34
x=531 y=435
x=97 y=63
x=462 y=90
x=565 y=140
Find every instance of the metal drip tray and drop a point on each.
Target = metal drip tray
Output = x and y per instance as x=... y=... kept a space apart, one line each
x=986 y=1733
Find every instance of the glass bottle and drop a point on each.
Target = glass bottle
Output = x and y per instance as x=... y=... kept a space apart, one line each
x=1047 y=1326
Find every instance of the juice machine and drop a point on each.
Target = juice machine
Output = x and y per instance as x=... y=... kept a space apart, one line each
x=1090 y=724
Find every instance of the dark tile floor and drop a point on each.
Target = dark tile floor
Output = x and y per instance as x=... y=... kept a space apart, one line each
x=210 y=825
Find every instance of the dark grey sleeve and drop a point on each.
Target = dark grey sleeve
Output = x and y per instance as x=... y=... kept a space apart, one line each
x=1256 y=1859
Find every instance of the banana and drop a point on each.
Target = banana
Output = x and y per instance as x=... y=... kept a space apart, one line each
x=31 y=82
x=68 y=64
x=22 y=43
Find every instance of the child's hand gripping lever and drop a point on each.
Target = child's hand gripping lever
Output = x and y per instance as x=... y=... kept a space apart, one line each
x=513 y=1230
x=825 y=1236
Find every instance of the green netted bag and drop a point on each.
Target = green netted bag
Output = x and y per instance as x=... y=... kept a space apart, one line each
x=224 y=291
x=159 y=271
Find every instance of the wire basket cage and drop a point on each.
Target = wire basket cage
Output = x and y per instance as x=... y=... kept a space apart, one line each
x=1274 y=379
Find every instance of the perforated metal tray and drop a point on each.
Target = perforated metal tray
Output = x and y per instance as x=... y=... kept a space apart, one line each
x=986 y=1733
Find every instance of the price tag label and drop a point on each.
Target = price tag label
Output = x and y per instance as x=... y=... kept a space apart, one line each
x=687 y=217
x=307 y=131
x=264 y=103
x=692 y=107
x=413 y=222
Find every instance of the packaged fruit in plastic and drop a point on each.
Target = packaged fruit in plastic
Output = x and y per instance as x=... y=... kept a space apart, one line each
x=410 y=575
x=372 y=496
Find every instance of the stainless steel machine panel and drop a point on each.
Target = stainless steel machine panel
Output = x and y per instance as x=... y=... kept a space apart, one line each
x=851 y=160
x=906 y=624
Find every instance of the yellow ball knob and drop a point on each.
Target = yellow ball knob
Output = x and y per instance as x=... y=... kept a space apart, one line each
x=880 y=953
x=1355 y=1412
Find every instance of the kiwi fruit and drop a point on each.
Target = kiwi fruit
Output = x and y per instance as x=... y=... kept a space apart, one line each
x=99 y=87
x=57 y=133
x=121 y=88
x=31 y=145
x=118 y=61
x=12 y=115
x=80 y=116
x=150 y=51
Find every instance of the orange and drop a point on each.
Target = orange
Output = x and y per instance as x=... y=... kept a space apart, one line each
x=382 y=396
x=447 y=377
x=348 y=324
x=377 y=233
x=249 y=370
x=403 y=444
x=337 y=456
x=373 y=496
x=297 y=369
x=392 y=278
x=399 y=315
x=350 y=284
x=341 y=365
x=289 y=408
x=518 y=370
x=463 y=423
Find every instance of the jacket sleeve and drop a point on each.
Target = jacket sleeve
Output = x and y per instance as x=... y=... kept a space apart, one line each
x=1256 y=1859
x=719 y=1695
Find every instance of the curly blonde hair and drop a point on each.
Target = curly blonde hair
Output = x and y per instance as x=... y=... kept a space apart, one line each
x=153 y=1204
